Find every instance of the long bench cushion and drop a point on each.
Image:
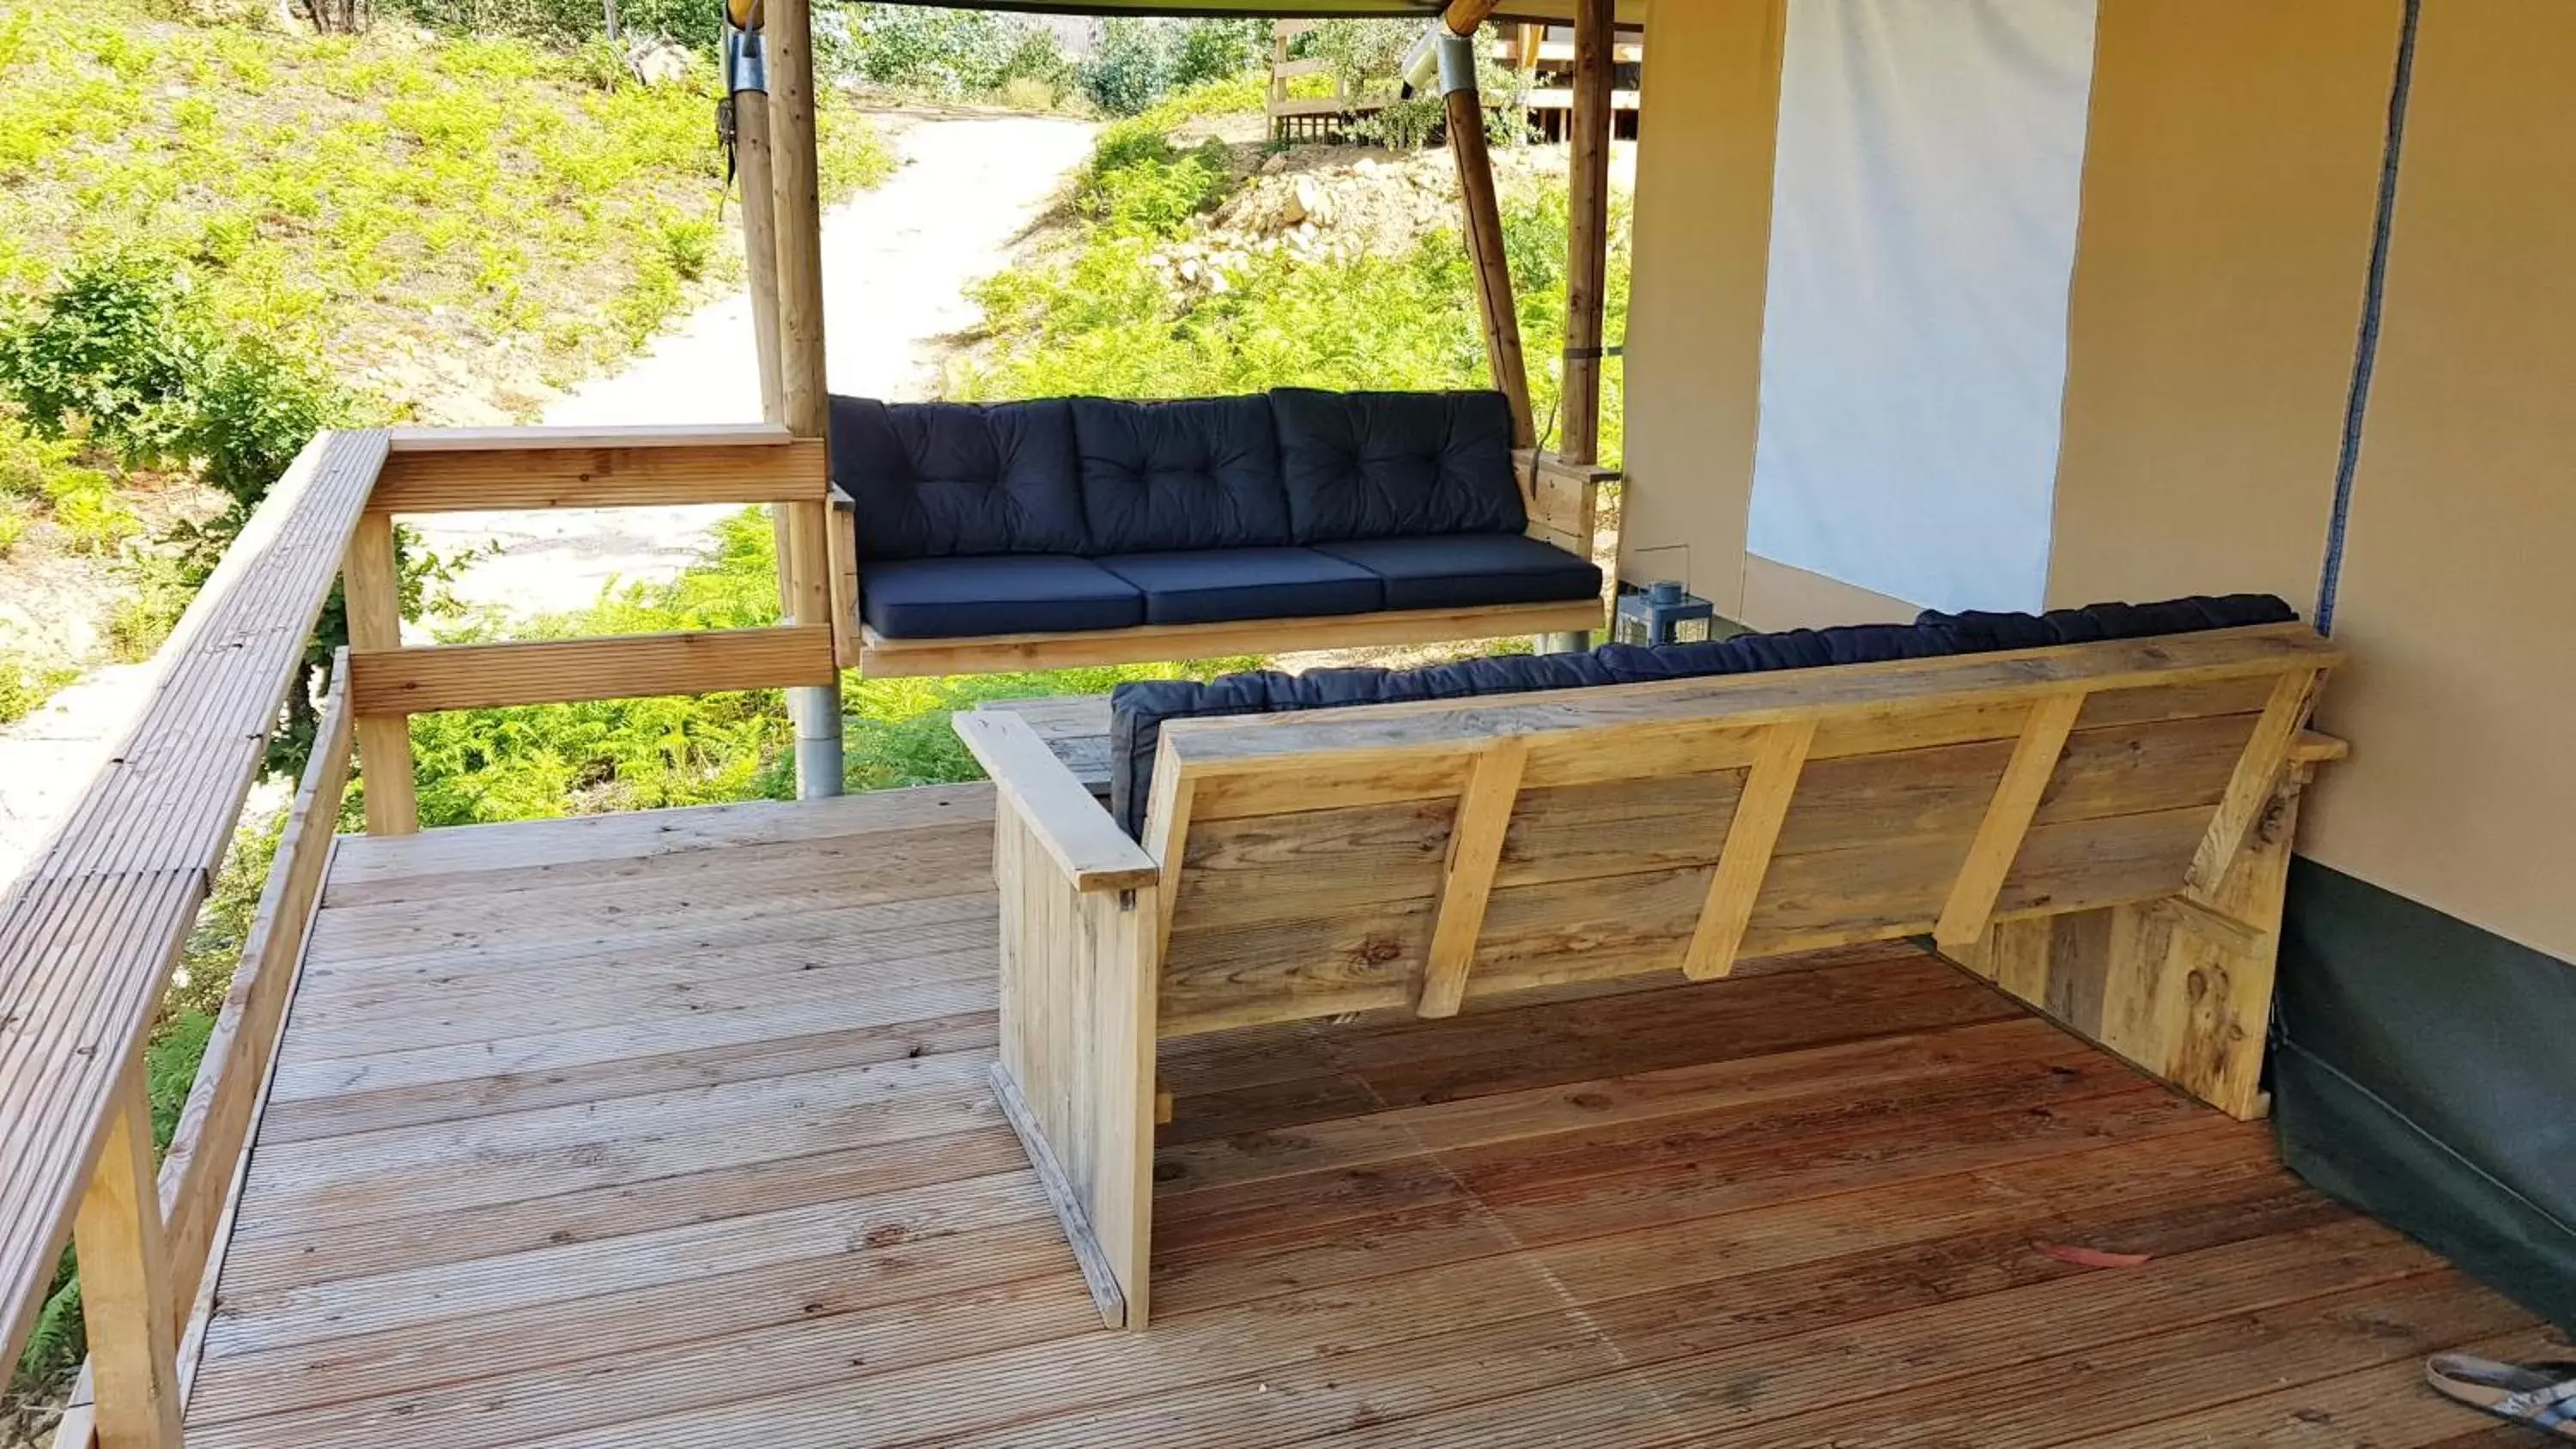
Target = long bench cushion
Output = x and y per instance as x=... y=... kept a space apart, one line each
x=939 y=480
x=1163 y=476
x=1470 y=570
x=1389 y=464
x=1215 y=585
x=1138 y=710
x=946 y=598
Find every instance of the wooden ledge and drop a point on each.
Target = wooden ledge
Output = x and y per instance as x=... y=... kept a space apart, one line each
x=656 y=435
x=884 y=658
x=1079 y=836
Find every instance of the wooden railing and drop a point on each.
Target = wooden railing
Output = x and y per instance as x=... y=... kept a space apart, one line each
x=89 y=937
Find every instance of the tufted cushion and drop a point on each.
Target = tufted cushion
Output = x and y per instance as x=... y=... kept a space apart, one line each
x=1137 y=710
x=1212 y=585
x=933 y=480
x=1470 y=570
x=1158 y=476
x=949 y=598
x=1384 y=464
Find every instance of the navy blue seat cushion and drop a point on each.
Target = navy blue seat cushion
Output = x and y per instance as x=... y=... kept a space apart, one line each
x=1162 y=476
x=946 y=598
x=1137 y=710
x=1387 y=464
x=939 y=480
x=1213 y=585
x=1470 y=570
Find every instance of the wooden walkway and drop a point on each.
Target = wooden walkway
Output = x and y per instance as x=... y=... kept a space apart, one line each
x=672 y=1129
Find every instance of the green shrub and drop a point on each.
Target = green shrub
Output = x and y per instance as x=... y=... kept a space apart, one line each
x=26 y=684
x=1137 y=184
x=16 y=515
x=105 y=353
x=954 y=54
x=1141 y=61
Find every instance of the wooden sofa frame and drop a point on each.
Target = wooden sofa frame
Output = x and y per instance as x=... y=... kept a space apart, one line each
x=1562 y=499
x=2102 y=830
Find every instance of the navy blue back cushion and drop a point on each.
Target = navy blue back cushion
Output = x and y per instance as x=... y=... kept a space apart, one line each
x=1137 y=711
x=935 y=480
x=1161 y=476
x=1386 y=464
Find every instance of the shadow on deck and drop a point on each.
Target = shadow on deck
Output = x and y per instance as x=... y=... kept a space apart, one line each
x=673 y=1129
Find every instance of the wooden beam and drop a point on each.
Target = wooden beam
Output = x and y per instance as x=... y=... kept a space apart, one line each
x=92 y=929
x=214 y=1125
x=627 y=435
x=563 y=671
x=881 y=657
x=1746 y=857
x=371 y=592
x=1463 y=16
x=1587 y=276
x=127 y=1294
x=1086 y=845
x=1167 y=835
x=1475 y=850
x=2275 y=734
x=841 y=526
x=2008 y=816
x=601 y=477
x=753 y=164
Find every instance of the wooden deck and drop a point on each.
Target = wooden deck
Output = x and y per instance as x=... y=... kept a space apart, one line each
x=673 y=1129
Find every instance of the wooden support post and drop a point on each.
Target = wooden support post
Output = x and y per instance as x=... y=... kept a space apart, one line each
x=804 y=563
x=126 y=1289
x=1475 y=851
x=1483 y=215
x=2008 y=816
x=1745 y=859
x=1587 y=272
x=760 y=243
x=372 y=594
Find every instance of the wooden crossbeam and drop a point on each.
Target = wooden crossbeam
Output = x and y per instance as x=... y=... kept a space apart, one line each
x=1746 y=858
x=1475 y=850
x=755 y=470
x=2275 y=734
x=562 y=671
x=2008 y=817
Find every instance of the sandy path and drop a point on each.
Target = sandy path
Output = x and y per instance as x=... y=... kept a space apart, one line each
x=896 y=263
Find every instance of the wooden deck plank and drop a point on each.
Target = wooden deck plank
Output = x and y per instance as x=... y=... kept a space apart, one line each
x=593 y=1167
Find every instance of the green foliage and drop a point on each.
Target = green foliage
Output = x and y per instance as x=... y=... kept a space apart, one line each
x=1138 y=184
x=1105 y=323
x=1140 y=61
x=954 y=54
x=105 y=354
x=26 y=684
x=1367 y=59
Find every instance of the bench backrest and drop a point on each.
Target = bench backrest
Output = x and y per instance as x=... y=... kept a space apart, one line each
x=1345 y=860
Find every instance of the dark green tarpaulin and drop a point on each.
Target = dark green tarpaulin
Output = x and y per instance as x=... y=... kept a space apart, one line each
x=2426 y=1073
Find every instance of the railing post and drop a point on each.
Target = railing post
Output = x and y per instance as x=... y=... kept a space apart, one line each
x=804 y=564
x=371 y=592
x=126 y=1295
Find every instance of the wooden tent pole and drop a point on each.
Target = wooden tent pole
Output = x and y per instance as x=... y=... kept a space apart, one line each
x=1588 y=230
x=804 y=562
x=1484 y=217
x=760 y=247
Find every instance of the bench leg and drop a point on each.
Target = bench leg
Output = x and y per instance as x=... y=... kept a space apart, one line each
x=1076 y=1074
x=1575 y=643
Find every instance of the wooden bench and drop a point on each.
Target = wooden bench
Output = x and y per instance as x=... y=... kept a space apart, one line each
x=2102 y=830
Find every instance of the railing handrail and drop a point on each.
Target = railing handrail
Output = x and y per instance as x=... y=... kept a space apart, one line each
x=90 y=935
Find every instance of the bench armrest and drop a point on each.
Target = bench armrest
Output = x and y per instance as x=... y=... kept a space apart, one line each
x=842 y=519
x=1085 y=844
x=1563 y=499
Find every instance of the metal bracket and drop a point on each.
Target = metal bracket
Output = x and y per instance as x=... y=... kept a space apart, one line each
x=746 y=60
x=1457 y=63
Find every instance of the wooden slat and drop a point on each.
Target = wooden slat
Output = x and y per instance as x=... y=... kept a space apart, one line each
x=2274 y=735
x=127 y=1290
x=1087 y=846
x=1475 y=849
x=2016 y=801
x=561 y=671
x=1736 y=884
x=214 y=1124
x=88 y=939
x=1843 y=699
x=640 y=435
x=534 y=475
x=881 y=657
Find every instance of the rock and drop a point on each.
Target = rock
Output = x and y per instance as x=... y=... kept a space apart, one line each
x=658 y=63
x=1275 y=163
